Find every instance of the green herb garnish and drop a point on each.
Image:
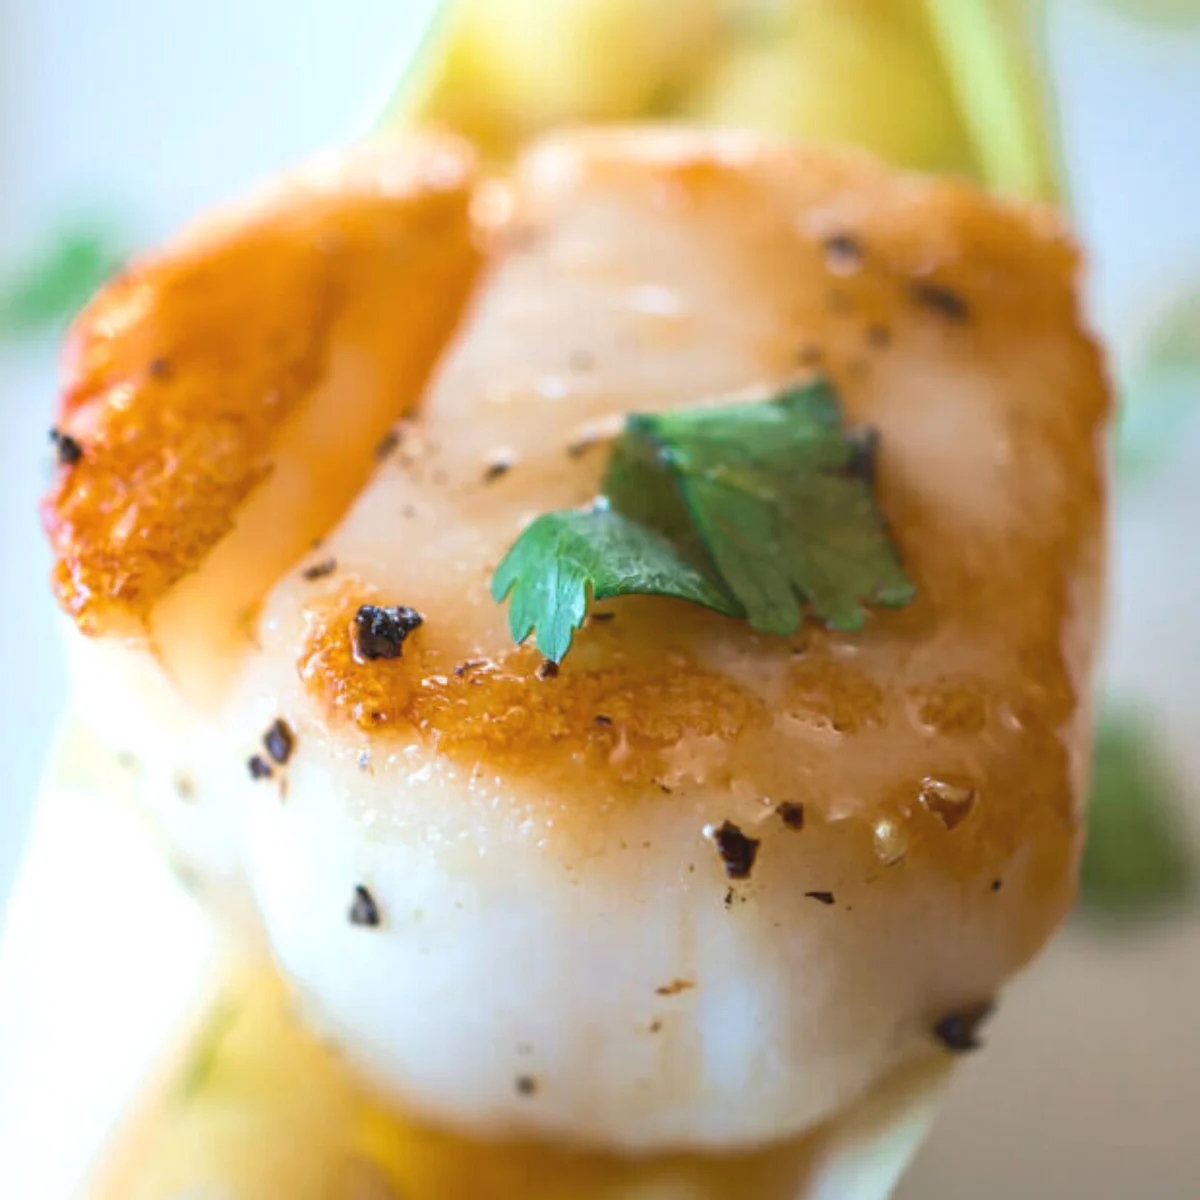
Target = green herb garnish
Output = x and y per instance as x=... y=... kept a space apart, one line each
x=49 y=290
x=753 y=510
x=1137 y=857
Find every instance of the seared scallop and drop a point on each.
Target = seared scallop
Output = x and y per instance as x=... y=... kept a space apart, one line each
x=698 y=886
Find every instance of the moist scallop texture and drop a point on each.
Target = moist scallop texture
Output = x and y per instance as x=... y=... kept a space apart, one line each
x=563 y=945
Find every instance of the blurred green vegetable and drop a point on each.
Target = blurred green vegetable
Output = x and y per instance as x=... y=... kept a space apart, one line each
x=44 y=294
x=1137 y=859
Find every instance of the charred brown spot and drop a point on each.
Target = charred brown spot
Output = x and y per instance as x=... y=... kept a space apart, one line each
x=363 y=910
x=940 y=299
x=959 y=1031
x=380 y=632
x=279 y=741
x=821 y=897
x=674 y=987
x=737 y=851
x=68 y=449
x=791 y=813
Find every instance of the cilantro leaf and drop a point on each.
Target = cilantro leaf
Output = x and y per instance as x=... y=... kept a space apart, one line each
x=1136 y=859
x=564 y=555
x=754 y=510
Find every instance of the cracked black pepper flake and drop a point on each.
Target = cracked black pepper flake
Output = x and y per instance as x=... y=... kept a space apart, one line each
x=526 y=1085
x=498 y=466
x=547 y=669
x=791 y=813
x=843 y=252
x=997 y=884
x=959 y=1031
x=603 y=721
x=320 y=570
x=69 y=450
x=737 y=851
x=279 y=740
x=822 y=897
x=601 y=616
x=655 y=1026
x=380 y=632
x=940 y=299
x=159 y=367
x=471 y=664
x=259 y=767
x=364 y=910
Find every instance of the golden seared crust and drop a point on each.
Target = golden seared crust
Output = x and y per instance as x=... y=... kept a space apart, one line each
x=677 y=266
x=182 y=373
x=597 y=708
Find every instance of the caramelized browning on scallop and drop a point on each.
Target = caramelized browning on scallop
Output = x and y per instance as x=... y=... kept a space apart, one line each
x=808 y=830
x=200 y=375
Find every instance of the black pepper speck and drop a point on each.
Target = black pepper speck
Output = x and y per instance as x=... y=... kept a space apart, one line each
x=320 y=570
x=497 y=468
x=380 y=632
x=791 y=813
x=69 y=450
x=526 y=1085
x=279 y=741
x=940 y=299
x=822 y=897
x=843 y=252
x=259 y=767
x=959 y=1031
x=602 y=720
x=364 y=911
x=737 y=851
x=387 y=445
